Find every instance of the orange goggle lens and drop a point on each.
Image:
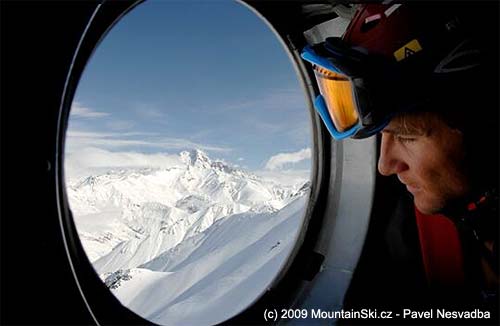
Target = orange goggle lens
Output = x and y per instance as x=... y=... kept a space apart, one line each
x=337 y=91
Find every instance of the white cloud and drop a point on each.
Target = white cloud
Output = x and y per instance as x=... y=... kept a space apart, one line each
x=150 y=111
x=120 y=125
x=80 y=111
x=279 y=160
x=76 y=140
x=95 y=134
x=90 y=159
x=293 y=119
x=277 y=99
x=286 y=177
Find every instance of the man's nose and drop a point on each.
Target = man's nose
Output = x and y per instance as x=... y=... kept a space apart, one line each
x=390 y=161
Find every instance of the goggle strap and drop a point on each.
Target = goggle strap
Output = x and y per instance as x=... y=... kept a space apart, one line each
x=308 y=54
x=320 y=106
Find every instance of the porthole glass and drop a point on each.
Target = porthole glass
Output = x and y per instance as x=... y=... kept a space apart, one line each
x=188 y=160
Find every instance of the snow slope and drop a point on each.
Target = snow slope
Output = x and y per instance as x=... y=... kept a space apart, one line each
x=191 y=243
x=214 y=275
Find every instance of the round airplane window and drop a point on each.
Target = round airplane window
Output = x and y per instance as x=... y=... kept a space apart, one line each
x=188 y=160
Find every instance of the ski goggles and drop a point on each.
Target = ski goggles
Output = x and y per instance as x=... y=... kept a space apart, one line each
x=346 y=103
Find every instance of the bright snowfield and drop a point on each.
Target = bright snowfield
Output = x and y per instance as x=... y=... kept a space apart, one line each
x=192 y=244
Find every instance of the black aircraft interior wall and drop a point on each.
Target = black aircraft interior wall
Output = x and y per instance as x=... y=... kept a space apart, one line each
x=38 y=43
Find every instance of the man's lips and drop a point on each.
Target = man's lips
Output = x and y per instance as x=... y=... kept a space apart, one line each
x=413 y=188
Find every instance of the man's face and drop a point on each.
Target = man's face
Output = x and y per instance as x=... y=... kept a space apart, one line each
x=429 y=164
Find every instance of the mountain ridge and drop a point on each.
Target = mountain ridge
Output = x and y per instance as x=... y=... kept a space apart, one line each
x=174 y=202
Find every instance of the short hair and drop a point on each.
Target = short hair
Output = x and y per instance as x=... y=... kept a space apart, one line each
x=480 y=141
x=421 y=123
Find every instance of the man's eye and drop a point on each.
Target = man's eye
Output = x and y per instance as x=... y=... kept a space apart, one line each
x=405 y=140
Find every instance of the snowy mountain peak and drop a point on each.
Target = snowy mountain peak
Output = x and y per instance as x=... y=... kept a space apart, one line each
x=196 y=157
x=129 y=216
x=192 y=224
x=89 y=181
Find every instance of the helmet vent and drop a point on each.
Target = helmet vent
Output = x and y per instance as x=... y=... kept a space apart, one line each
x=392 y=9
x=370 y=22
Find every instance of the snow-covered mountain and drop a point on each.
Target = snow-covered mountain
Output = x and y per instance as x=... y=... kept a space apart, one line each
x=126 y=217
x=174 y=233
x=214 y=275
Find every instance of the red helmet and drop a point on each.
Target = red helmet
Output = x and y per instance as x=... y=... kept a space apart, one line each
x=448 y=55
x=438 y=38
x=400 y=57
x=393 y=58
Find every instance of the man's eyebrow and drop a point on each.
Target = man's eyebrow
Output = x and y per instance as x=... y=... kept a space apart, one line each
x=400 y=131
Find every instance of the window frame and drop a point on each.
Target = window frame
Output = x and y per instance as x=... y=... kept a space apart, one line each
x=313 y=277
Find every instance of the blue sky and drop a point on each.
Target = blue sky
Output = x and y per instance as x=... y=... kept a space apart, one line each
x=173 y=75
